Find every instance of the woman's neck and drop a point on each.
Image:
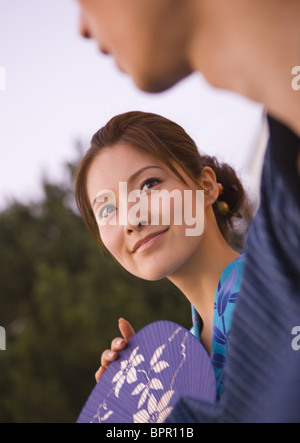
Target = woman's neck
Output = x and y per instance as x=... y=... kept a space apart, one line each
x=198 y=278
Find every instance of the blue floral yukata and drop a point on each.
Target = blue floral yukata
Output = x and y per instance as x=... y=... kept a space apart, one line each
x=225 y=301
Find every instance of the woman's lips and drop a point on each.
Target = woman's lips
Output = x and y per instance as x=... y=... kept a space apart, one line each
x=148 y=242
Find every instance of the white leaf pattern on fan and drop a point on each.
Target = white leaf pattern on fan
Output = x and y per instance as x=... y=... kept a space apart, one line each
x=128 y=371
x=157 y=410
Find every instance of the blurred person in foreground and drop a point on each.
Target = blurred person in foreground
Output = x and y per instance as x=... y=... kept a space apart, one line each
x=251 y=47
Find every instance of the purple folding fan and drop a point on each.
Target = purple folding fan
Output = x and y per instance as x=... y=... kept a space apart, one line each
x=161 y=363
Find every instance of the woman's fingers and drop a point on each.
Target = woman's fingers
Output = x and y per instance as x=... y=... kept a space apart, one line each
x=126 y=329
x=107 y=357
x=117 y=345
x=99 y=373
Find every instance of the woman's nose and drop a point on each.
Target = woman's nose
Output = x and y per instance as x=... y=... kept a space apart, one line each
x=136 y=227
x=138 y=212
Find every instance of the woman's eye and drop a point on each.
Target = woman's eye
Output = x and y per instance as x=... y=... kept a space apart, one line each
x=148 y=184
x=106 y=211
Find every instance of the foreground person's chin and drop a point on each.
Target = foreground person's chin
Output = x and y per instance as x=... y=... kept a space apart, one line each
x=157 y=85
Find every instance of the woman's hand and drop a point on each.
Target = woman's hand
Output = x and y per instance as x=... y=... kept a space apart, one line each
x=117 y=345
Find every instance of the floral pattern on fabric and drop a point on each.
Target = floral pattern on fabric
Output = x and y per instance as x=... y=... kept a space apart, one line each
x=226 y=297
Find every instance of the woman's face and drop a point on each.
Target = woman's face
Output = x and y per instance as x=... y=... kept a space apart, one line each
x=137 y=228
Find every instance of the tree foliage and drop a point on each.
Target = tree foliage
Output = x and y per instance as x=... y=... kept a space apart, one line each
x=60 y=304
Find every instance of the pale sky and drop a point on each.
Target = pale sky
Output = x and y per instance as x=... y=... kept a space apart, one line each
x=59 y=88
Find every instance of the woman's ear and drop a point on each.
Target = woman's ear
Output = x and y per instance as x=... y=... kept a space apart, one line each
x=208 y=181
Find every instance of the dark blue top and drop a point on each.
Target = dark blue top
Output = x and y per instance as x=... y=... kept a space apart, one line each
x=263 y=370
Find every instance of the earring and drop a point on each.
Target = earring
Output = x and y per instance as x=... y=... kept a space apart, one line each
x=224 y=210
x=223 y=207
x=221 y=189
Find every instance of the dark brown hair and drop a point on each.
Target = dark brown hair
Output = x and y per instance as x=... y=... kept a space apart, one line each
x=169 y=143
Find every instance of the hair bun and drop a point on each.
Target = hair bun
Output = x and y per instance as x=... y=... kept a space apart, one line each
x=233 y=202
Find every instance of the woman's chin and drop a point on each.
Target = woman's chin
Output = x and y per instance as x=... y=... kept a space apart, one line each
x=151 y=274
x=153 y=277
